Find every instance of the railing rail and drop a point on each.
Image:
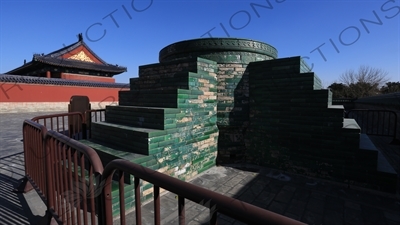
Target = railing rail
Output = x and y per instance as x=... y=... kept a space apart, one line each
x=71 y=124
x=94 y=115
x=375 y=122
x=73 y=171
x=217 y=203
x=72 y=182
x=64 y=172
x=34 y=157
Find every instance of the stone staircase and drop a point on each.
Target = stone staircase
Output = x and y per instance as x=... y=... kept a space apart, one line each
x=166 y=122
x=177 y=114
x=294 y=126
x=382 y=174
x=140 y=129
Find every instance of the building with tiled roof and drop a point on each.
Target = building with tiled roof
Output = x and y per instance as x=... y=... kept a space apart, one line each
x=74 y=62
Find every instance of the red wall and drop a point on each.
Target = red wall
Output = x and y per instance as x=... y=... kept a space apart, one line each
x=10 y=92
x=69 y=76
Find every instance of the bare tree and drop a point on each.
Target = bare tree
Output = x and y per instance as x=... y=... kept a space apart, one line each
x=365 y=82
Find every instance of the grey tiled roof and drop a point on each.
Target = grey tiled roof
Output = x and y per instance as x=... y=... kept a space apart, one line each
x=57 y=81
x=55 y=59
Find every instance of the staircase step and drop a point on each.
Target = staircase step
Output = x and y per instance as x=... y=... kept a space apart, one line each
x=385 y=176
x=336 y=107
x=350 y=124
x=384 y=166
x=368 y=153
x=144 y=117
x=131 y=139
x=107 y=154
x=149 y=98
x=172 y=80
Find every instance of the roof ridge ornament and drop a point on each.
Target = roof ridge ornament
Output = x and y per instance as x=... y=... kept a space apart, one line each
x=80 y=37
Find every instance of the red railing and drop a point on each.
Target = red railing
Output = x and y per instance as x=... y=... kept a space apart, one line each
x=71 y=124
x=69 y=177
x=94 y=115
x=217 y=203
x=34 y=155
x=74 y=172
x=64 y=172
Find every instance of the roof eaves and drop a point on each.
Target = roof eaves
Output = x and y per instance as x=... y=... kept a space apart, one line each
x=70 y=63
x=64 y=50
x=26 y=65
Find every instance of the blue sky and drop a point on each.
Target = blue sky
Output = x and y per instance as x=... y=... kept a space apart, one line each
x=294 y=28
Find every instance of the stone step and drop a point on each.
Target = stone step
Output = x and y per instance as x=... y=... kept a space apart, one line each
x=173 y=80
x=144 y=117
x=130 y=139
x=159 y=98
x=107 y=154
x=380 y=173
x=177 y=80
x=351 y=124
x=386 y=175
x=337 y=107
x=368 y=153
x=149 y=98
x=149 y=141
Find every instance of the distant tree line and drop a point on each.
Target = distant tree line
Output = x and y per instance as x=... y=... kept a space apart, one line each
x=367 y=81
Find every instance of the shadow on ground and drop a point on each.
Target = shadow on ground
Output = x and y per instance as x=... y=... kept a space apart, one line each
x=309 y=200
x=14 y=208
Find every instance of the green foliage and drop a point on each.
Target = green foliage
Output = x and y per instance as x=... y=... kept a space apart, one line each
x=339 y=90
x=390 y=87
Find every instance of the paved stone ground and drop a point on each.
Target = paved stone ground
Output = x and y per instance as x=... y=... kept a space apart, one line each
x=309 y=200
x=11 y=131
x=312 y=201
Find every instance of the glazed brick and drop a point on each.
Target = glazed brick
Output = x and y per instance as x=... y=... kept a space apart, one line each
x=185 y=134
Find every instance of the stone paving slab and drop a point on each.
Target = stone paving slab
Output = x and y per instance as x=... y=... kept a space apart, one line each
x=312 y=201
x=309 y=200
x=11 y=131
